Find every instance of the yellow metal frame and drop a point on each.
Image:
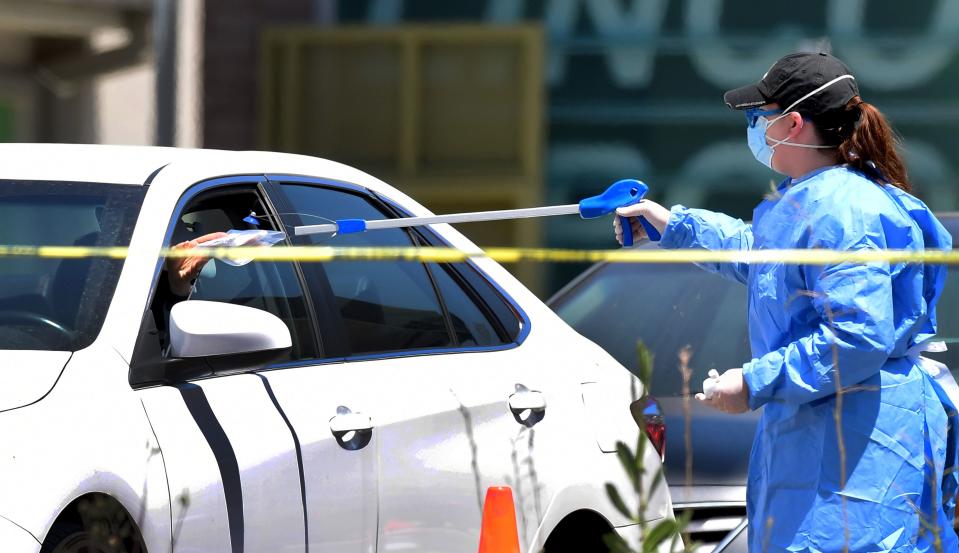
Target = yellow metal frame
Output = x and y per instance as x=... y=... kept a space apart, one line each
x=282 y=98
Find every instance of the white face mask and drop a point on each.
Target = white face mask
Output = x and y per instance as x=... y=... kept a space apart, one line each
x=758 y=125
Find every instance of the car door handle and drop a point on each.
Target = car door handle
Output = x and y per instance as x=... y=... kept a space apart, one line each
x=527 y=400
x=352 y=422
x=351 y=430
x=528 y=406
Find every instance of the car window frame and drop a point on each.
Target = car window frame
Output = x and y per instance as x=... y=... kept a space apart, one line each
x=143 y=359
x=270 y=186
x=331 y=317
x=425 y=236
x=430 y=238
x=434 y=239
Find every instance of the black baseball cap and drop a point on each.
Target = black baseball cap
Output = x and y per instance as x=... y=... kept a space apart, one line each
x=795 y=76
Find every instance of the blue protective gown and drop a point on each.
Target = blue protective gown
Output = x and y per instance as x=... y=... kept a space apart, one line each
x=813 y=328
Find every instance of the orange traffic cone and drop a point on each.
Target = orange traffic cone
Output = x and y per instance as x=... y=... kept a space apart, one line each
x=498 y=533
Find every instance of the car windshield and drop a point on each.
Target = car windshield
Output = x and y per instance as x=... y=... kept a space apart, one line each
x=671 y=309
x=947 y=314
x=60 y=304
x=947 y=311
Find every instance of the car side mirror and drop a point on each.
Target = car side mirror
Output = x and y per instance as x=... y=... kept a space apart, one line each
x=208 y=328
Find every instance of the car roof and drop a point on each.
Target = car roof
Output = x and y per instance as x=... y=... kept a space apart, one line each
x=171 y=171
x=135 y=165
x=950 y=220
x=89 y=162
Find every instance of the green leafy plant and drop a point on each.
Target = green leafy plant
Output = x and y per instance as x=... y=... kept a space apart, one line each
x=665 y=531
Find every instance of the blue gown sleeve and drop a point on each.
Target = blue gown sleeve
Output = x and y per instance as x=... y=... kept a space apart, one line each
x=708 y=230
x=854 y=336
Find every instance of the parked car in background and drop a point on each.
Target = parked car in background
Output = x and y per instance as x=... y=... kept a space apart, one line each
x=285 y=406
x=688 y=317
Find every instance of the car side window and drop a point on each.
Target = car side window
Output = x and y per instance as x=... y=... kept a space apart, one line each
x=383 y=306
x=270 y=286
x=469 y=324
x=480 y=317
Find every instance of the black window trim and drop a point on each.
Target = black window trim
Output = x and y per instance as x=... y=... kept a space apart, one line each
x=269 y=197
x=332 y=337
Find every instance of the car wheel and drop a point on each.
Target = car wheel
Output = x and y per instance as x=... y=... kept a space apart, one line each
x=75 y=539
x=78 y=540
x=579 y=533
x=94 y=524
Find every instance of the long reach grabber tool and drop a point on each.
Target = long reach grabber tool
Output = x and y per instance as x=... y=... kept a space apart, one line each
x=620 y=194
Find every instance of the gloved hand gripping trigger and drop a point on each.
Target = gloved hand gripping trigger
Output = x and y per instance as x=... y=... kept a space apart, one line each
x=620 y=194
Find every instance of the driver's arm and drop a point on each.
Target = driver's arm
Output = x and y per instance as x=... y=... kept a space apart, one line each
x=182 y=271
x=176 y=283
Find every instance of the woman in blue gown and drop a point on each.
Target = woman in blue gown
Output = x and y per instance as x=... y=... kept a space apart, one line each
x=856 y=449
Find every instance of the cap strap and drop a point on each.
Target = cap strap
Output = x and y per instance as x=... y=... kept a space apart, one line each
x=818 y=90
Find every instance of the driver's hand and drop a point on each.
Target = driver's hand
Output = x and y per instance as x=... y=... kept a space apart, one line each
x=182 y=271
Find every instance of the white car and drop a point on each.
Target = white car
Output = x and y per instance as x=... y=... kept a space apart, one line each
x=341 y=406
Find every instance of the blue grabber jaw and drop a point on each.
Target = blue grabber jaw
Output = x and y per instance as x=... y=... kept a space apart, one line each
x=621 y=194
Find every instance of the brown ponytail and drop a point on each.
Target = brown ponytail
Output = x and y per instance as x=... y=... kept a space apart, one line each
x=871 y=147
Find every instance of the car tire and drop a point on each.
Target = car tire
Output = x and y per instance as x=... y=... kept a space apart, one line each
x=584 y=534
x=94 y=524
x=73 y=538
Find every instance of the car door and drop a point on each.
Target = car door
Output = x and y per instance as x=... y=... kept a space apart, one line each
x=508 y=392
x=431 y=373
x=234 y=462
x=506 y=399
x=340 y=409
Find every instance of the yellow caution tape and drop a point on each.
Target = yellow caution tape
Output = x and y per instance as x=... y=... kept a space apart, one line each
x=508 y=255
